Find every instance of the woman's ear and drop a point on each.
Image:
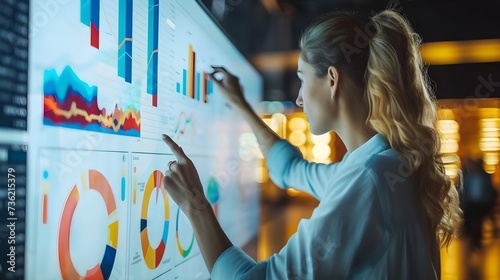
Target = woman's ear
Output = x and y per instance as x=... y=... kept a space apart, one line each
x=333 y=81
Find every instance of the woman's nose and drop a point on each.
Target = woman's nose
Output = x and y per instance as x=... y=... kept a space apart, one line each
x=299 y=101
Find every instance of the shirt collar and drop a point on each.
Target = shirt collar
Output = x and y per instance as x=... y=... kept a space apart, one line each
x=374 y=145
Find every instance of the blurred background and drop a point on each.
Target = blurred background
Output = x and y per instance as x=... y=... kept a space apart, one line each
x=462 y=50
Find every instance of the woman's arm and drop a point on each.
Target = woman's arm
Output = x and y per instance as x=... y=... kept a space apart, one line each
x=229 y=86
x=286 y=164
x=211 y=238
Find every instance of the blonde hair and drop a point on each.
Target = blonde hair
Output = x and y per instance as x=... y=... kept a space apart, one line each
x=382 y=54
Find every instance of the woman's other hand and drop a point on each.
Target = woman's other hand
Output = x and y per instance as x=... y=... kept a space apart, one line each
x=182 y=182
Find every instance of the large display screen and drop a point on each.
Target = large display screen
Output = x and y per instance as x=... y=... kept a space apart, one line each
x=87 y=89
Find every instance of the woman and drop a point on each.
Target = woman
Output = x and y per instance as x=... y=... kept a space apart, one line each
x=388 y=204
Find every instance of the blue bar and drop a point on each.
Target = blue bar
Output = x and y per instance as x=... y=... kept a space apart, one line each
x=123 y=189
x=85 y=12
x=184 y=82
x=178 y=88
x=197 y=96
x=128 y=44
x=125 y=40
x=128 y=62
x=152 y=83
x=210 y=87
x=155 y=73
x=94 y=12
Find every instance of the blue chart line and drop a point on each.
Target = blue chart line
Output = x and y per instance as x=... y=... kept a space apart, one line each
x=125 y=40
x=153 y=22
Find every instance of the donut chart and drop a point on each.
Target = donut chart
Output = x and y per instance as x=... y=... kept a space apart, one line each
x=153 y=256
x=182 y=251
x=102 y=270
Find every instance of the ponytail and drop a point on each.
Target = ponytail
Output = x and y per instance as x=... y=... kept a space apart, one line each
x=402 y=108
x=401 y=104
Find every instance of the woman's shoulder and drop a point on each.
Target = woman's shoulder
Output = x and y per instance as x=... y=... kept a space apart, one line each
x=387 y=161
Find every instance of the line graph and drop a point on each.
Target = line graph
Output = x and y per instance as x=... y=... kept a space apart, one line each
x=72 y=103
x=184 y=124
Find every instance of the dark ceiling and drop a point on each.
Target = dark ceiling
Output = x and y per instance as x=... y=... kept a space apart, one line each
x=257 y=26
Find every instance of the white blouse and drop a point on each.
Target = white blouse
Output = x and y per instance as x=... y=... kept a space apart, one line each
x=368 y=224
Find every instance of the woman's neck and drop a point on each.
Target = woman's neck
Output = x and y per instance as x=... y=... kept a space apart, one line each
x=354 y=138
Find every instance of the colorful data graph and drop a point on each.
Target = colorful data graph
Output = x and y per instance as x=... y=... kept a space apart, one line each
x=184 y=122
x=97 y=182
x=72 y=103
x=153 y=256
x=89 y=15
x=183 y=251
x=195 y=85
x=125 y=40
x=153 y=24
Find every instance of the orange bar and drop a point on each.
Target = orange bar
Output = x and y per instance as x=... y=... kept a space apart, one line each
x=44 y=209
x=193 y=86
x=204 y=87
x=191 y=56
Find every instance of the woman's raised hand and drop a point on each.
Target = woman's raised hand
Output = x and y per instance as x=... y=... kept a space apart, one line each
x=229 y=86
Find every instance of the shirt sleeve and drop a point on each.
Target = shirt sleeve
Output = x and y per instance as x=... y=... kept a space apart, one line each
x=344 y=231
x=288 y=168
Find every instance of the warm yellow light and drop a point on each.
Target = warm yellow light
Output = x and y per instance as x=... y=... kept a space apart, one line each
x=490 y=124
x=491 y=158
x=451 y=170
x=489 y=168
x=321 y=151
x=492 y=133
x=281 y=121
x=297 y=138
x=450 y=159
x=489 y=113
x=447 y=126
x=449 y=146
x=489 y=144
x=455 y=52
x=441 y=53
x=261 y=175
x=292 y=192
x=297 y=123
x=324 y=138
x=446 y=114
x=272 y=123
x=454 y=136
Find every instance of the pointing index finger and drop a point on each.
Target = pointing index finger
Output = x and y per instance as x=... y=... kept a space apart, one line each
x=178 y=152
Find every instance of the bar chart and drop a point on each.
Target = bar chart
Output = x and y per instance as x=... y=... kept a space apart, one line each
x=89 y=15
x=195 y=85
x=125 y=40
x=153 y=24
